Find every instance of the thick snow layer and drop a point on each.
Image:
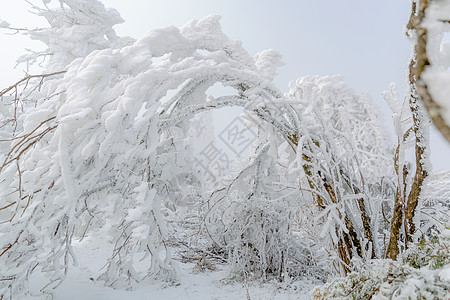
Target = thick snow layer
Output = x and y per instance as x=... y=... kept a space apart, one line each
x=191 y=283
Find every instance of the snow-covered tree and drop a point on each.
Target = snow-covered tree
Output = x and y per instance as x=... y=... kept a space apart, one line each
x=94 y=144
x=97 y=138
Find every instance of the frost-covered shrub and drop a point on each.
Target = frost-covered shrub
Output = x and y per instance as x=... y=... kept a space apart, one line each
x=422 y=272
x=251 y=224
x=434 y=209
x=261 y=244
x=257 y=238
x=331 y=167
x=252 y=219
x=343 y=158
x=432 y=252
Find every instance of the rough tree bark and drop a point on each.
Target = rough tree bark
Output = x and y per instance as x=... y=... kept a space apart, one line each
x=416 y=24
x=405 y=206
x=421 y=170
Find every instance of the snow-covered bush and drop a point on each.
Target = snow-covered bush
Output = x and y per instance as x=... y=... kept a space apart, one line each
x=434 y=209
x=309 y=181
x=345 y=162
x=422 y=272
x=98 y=140
x=255 y=228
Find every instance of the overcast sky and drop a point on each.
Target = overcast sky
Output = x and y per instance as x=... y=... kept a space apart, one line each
x=362 y=40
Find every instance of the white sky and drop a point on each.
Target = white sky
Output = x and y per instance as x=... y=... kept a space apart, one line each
x=363 y=40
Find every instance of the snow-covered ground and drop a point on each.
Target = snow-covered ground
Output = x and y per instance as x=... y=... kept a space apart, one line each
x=191 y=282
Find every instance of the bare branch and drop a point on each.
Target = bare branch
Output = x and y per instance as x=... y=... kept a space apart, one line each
x=27 y=79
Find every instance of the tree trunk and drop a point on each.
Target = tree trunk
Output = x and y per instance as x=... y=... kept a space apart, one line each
x=422 y=62
x=397 y=218
x=420 y=131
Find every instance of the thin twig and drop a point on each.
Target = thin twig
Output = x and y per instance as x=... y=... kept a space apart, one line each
x=26 y=79
x=5 y=207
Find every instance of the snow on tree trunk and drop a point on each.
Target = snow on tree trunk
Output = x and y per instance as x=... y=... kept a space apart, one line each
x=429 y=21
